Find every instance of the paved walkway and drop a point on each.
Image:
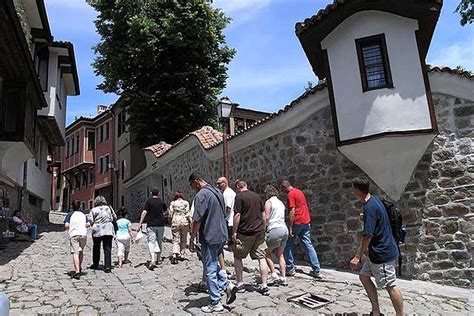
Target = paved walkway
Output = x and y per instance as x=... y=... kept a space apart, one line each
x=37 y=282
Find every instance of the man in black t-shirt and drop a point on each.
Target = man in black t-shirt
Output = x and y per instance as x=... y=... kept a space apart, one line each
x=248 y=234
x=153 y=216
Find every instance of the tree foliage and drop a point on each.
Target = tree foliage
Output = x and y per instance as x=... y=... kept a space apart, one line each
x=166 y=59
x=466 y=10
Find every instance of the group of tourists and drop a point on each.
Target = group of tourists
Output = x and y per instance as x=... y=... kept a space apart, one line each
x=241 y=222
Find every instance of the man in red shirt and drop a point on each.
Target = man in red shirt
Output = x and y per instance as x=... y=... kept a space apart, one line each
x=299 y=228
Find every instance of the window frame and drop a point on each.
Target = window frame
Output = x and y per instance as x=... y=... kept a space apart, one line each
x=90 y=139
x=365 y=41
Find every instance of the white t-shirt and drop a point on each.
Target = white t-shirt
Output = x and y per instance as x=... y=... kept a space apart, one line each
x=277 y=214
x=229 y=198
x=77 y=224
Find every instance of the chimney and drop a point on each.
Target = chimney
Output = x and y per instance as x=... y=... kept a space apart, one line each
x=101 y=108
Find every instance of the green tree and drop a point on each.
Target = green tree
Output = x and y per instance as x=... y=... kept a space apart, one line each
x=167 y=59
x=466 y=10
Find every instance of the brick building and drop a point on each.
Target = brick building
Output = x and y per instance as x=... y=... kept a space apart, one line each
x=87 y=160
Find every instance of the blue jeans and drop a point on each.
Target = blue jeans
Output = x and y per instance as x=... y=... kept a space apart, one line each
x=33 y=230
x=215 y=277
x=303 y=233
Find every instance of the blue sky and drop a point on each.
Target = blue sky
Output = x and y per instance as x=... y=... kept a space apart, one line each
x=269 y=69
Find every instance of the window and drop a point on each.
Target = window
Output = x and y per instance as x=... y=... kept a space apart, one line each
x=33 y=200
x=100 y=131
x=107 y=163
x=101 y=165
x=84 y=179
x=83 y=206
x=91 y=176
x=77 y=181
x=249 y=122
x=67 y=147
x=91 y=204
x=72 y=146
x=90 y=140
x=239 y=124
x=122 y=200
x=373 y=63
x=121 y=123
x=122 y=170
x=106 y=131
x=42 y=67
x=77 y=143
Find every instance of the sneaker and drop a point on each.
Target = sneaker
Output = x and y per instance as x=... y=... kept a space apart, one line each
x=283 y=281
x=273 y=280
x=291 y=272
x=76 y=275
x=240 y=288
x=231 y=292
x=151 y=267
x=264 y=290
x=93 y=267
x=213 y=308
x=315 y=274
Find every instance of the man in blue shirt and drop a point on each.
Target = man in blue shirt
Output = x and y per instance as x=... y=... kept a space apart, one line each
x=382 y=250
x=209 y=220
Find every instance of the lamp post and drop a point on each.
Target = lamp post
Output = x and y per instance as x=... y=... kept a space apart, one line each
x=224 y=112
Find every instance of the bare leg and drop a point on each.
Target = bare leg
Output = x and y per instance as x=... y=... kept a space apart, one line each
x=221 y=261
x=81 y=258
x=120 y=261
x=125 y=258
x=269 y=253
x=239 y=270
x=371 y=293
x=262 y=264
x=397 y=299
x=75 y=258
x=281 y=259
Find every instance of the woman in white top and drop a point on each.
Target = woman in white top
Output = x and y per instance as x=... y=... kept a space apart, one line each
x=277 y=234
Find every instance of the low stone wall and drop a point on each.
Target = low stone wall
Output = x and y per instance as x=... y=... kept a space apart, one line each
x=436 y=205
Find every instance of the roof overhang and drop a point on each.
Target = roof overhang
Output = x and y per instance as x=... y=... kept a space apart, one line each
x=67 y=64
x=314 y=29
x=83 y=166
x=49 y=127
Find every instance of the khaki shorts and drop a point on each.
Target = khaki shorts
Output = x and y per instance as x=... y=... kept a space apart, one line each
x=254 y=244
x=77 y=243
x=384 y=273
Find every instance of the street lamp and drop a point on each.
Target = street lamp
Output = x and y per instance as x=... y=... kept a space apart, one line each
x=224 y=112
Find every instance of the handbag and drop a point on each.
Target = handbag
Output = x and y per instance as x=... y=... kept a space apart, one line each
x=114 y=219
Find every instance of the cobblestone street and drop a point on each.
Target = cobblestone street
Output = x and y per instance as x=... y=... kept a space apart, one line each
x=37 y=281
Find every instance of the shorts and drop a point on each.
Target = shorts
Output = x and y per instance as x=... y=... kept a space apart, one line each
x=384 y=273
x=277 y=237
x=123 y=245
x=77 y=243
x=155 y=238
x=253 y=244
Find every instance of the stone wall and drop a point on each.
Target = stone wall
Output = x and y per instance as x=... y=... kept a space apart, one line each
x=436 y=205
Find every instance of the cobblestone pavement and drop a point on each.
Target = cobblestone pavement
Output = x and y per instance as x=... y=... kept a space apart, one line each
x=37 y=281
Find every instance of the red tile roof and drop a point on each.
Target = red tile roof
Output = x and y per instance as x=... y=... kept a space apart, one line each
x=456 y=71
x=158 y=149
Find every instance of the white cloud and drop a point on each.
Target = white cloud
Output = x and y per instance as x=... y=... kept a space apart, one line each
x=278 y=77
x=241 y=10
x=457 y=54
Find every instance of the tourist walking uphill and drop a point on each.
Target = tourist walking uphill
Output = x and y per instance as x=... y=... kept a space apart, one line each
x=180 y=222
x=154 y=218
x=124 y=237
x=382 y=250
x=276 y=236
x=76 y=224
x=209 y=221
x=101 y=218
x=248 y=235
x=299 y=224
x=229 y=198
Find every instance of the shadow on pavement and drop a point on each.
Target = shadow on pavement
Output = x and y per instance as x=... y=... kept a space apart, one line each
x=14 y=248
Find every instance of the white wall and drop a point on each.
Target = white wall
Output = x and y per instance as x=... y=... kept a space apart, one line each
x=38 y=180
x=401 y=108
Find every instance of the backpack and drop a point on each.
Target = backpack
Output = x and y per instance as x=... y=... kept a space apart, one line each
x=396 y=221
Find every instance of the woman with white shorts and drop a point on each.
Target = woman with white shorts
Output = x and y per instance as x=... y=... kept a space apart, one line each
x=277 y=234
x=124 y=237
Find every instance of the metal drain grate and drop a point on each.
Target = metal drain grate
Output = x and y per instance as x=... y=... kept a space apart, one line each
x=309 y=300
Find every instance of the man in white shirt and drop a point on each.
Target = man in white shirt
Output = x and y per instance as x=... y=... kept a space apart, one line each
x=77 y=225
x=229 y=198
